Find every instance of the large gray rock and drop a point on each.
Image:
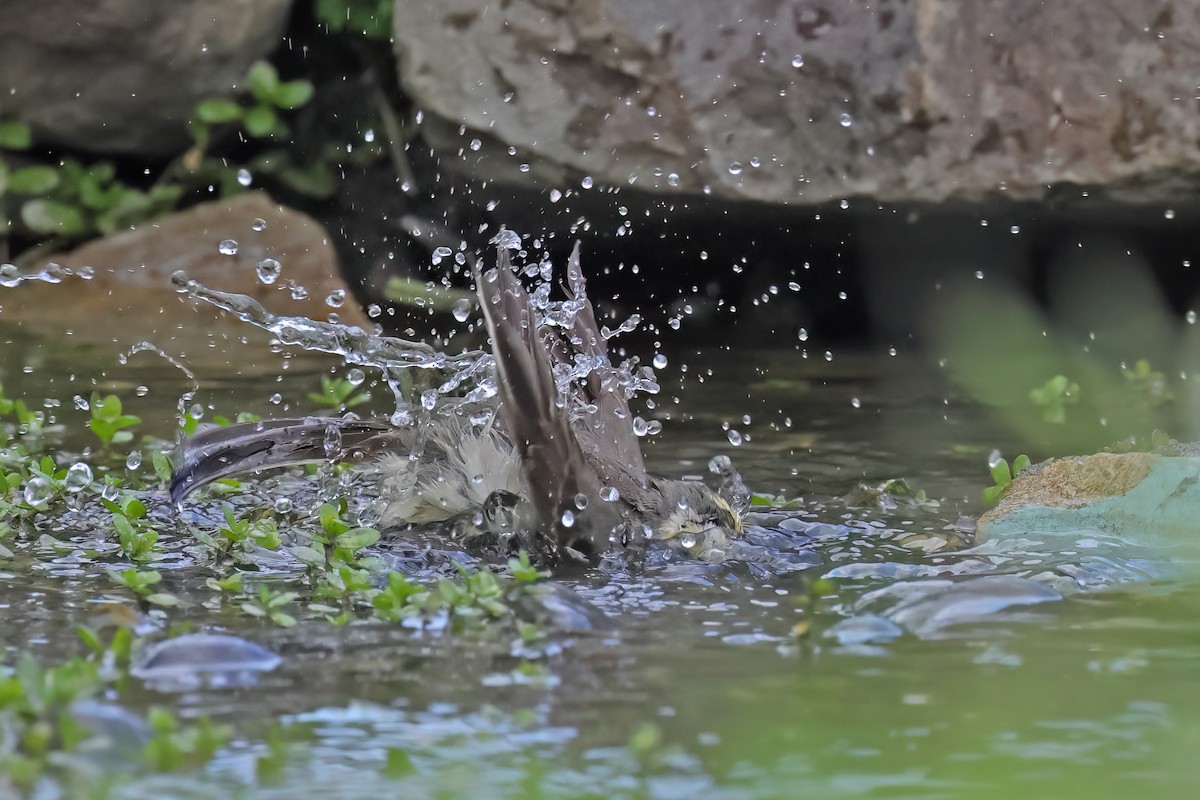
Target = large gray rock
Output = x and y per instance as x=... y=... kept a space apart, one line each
x=801 y=102
x=123 y=76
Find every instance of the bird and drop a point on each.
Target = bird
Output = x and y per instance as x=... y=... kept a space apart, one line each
x=547 y=462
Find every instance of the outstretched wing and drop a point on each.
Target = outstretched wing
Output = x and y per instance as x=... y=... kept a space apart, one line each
x=553 y=463
x=610 y=426
x=249 y=446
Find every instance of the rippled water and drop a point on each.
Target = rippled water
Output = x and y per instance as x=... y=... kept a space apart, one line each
x=1058 y=666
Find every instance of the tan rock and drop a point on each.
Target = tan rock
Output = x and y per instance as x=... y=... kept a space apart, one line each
x=131 y=297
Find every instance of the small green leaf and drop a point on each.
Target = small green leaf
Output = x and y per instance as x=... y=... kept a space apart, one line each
x=218 y=110
x=263 y=81
x=1020 y=464
x=260 y=121
x=33 y=180
x=50 y=217
x=292 y=95
x=1001 y=473
x=15 y=135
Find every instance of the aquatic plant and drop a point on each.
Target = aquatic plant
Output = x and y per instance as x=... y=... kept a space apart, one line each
x=108 y=420
x=1002 y=477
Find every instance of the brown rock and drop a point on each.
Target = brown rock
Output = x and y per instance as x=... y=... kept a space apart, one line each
x=131 y=298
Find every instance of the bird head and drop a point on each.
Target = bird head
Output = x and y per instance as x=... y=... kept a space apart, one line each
x=696 y=517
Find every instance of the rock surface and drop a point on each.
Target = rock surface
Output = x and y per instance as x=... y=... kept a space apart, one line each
x=131 y=297
x=1145 y=498
x=123 y=76
x=801 y=102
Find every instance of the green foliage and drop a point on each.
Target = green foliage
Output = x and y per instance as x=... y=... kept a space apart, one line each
x=108 y=421
x=257 y=113
x=142 y=583
x=269 y=604
x=1053 y=397
x=175 y=746
x=369 y=18
x=15 y=136
x=339 y=394
x=136 y=538
x=1150 y=385
x=1002 y=477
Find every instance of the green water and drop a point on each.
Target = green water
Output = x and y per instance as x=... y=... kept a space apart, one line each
x=697 y=686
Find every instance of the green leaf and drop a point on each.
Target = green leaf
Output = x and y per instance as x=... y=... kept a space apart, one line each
x=317 y=181
x=292 y=95
x=15 y=136
x=1001 y=473
x=33 y=180
x=260 y=121
x=218 y=110
x=1020 y=464
x=50 y=217
x=358 y=538
x=162 y=599
x=263 y=81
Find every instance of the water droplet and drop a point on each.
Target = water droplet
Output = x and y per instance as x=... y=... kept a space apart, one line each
x=244 y=177
x=268 y=270
x=462 y=310
x=79 y=477
x=507 y=238
x=994 y=459
x=275 y=399
x=37 y=492
x=797 y=61
x=845 y=203
x=355 y=376
x=568 y=518
x=734 y=436
x=735 y=168
x=228 y=247
x=1191 y=317
x=639 y=426
x=687 y=540
x=802 y=335
x=429 y=399
x=134 y=459
x=581 y=501
x=1015 y=229
x=10 y=275
x=1169 y=213
x=299 y=292
x=829 y=355
x=82 y=403
x=891 y=351
x=660 y=361
x=586 y=182
x=855 y=402
x=609 y=494
x=845 y=120
x=336 y=298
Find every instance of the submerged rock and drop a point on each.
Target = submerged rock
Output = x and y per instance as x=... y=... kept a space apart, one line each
x=197 y=658
x=1145 y=498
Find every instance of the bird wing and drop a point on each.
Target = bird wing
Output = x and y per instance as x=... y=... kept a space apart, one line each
x=610 y=427
x=248 y=446
x=554 y=465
